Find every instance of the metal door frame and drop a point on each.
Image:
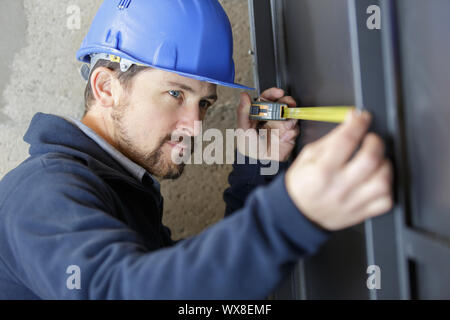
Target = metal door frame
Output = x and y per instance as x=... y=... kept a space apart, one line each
x=378 y=88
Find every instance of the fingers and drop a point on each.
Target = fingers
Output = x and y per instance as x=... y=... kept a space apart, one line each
x=366 y=162
x=377 y=186
x=378 y=207
x=289 y=130
x=290 y=136
x=339 y=145
x=277 y=95
x=290 y=124
x=290 y=101
x=243 y=112
x=272 y=94
x=281 y=125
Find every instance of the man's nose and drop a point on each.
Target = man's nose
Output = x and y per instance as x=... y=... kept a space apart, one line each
x=190 y=121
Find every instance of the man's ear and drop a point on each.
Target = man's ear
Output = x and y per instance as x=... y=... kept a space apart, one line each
x=103 y=84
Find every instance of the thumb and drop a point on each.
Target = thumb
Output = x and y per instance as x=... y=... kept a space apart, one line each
x=243 y=112
x=341 y=143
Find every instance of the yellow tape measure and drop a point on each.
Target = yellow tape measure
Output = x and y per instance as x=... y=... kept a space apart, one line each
x=269 y=111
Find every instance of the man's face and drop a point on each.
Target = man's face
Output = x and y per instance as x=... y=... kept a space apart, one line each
x=158 y=105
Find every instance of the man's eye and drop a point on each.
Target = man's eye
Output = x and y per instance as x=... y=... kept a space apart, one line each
x=205 y=104
x=175 y=93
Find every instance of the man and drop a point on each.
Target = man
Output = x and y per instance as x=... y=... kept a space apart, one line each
x=81 y=217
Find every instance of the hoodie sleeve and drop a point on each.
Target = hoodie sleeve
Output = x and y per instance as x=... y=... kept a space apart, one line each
x=57 y=223
x=244 y=178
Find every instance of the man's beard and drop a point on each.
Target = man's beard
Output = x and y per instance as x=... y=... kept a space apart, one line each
x=153 y=162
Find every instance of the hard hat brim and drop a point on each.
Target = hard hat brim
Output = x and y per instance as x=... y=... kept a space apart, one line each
x=84 y=56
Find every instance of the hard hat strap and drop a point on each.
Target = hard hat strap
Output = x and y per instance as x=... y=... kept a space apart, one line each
x=125 y=64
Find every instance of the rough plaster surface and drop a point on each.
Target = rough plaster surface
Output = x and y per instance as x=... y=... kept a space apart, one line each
x=39 y=73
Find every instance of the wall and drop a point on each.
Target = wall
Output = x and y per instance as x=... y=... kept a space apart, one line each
x=39 y=73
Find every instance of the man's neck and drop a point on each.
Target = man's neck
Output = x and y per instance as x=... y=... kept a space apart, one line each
x=99 y=124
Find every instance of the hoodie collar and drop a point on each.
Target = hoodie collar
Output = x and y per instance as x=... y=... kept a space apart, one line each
x=50 y=133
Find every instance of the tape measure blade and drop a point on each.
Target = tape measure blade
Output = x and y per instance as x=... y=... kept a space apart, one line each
x=327 y=114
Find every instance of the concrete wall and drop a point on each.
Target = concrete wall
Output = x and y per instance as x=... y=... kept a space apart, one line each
x=39 y=73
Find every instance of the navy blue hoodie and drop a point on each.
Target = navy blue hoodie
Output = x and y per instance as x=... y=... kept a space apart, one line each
x=71 y=204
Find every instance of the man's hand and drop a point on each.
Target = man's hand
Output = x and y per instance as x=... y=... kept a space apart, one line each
x=287 y=130
x=335 y=191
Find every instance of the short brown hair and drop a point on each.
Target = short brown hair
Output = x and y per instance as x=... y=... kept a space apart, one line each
x=124 y=79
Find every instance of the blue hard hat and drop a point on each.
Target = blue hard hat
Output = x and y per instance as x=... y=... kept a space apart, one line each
x=192 y=38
